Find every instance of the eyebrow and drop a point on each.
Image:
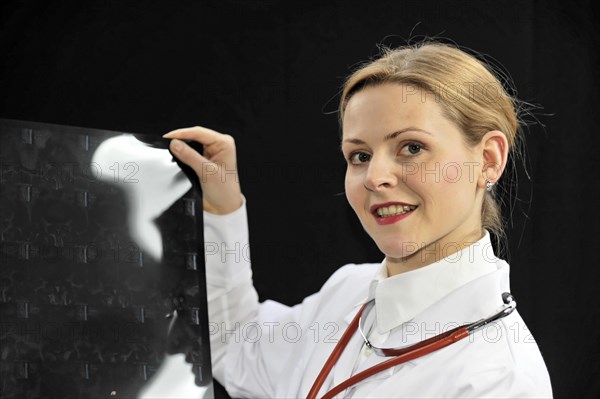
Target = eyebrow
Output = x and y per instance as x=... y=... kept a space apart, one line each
x=389 y=136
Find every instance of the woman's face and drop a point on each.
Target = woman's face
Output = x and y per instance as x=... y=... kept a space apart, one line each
x=402 y=151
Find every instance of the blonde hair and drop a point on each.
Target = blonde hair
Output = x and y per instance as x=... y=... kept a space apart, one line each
x=468 y=90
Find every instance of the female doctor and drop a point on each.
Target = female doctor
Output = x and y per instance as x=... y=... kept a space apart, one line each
x=426 y=132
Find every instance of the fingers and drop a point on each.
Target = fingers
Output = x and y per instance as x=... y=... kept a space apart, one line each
x=187 y=155
x=197 y=133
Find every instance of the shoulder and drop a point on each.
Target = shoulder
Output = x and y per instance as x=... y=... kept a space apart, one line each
x=347 y=287
x=499 y=360
x=506 y=362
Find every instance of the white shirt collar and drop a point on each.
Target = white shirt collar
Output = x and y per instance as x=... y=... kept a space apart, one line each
x=400 y=298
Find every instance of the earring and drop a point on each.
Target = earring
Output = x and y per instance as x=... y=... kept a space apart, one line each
x=489 y=185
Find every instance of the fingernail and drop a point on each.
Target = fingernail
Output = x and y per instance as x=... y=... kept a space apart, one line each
x=166 y=134
x=176 y=146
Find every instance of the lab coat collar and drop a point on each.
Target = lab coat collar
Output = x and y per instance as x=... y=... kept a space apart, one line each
x=474 y=300
x=471 y=302
x=400 y=298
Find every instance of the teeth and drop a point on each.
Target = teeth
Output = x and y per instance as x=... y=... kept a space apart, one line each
x=394 y=210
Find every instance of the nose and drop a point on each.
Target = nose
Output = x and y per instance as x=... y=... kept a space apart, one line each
x=380 y=175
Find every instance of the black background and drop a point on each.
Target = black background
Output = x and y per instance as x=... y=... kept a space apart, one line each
x=268 y=72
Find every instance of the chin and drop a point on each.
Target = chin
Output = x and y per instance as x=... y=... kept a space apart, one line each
x=397 y=248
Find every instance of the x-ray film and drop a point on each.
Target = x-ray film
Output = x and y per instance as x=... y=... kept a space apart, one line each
x=102 y=280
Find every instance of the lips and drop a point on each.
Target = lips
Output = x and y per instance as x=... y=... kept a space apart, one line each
x=391 y=208
x=391 y=212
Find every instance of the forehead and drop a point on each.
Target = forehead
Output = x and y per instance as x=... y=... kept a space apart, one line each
x=377 y=109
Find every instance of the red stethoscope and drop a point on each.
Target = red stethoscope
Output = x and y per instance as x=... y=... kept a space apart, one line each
x=401 y=355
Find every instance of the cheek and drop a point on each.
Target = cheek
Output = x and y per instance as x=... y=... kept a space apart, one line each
x=437 y=191
x=445 y=194
x=353 y=191
x=452 y=172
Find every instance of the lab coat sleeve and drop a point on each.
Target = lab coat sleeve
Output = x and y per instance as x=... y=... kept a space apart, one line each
x=231 y=296
x=504 y=382
x=504 y=368
x=273 y=363
x=246 y=364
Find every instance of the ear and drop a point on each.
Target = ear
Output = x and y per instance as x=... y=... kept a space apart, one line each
x=494 y=151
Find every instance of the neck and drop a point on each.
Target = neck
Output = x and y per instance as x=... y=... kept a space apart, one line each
x=432 y=252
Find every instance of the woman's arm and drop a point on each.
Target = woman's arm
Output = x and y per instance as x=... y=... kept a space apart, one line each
x=232 y=299
x=231 y=295
x=246 y=366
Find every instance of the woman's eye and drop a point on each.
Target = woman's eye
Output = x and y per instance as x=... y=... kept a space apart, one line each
x=359 y=157
x=414 y=148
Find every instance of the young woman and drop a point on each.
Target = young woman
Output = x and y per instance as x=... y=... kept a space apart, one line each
x=426 y=131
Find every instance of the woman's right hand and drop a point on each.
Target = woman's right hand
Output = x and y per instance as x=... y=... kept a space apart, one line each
x=216 y=167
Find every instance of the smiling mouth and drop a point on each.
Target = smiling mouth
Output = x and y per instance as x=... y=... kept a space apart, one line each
x=394 y=210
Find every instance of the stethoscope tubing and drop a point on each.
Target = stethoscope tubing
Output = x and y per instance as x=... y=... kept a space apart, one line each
x=451 y=337
x=401 y=355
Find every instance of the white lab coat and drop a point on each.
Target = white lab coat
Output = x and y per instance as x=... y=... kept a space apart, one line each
x=272 y=350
